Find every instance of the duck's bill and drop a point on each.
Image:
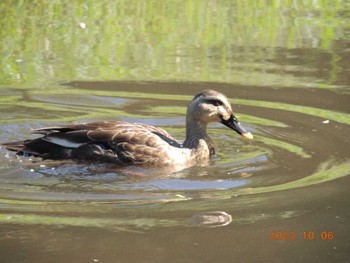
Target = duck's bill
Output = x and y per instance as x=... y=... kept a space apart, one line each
x=248 y=135
x=233 y=124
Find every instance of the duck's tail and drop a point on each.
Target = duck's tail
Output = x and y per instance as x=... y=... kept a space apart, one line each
x=37 y=148
x=15 y=146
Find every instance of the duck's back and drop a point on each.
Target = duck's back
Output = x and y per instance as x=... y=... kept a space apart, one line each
x=117 y=142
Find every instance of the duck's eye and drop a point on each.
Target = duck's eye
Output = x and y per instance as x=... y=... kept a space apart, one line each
x=216 y=103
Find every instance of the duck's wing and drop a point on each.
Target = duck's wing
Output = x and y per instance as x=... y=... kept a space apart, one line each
x=136 y=143
x=105 y=125
x=118 y=142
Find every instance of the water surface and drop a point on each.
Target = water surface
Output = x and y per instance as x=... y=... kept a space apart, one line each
x=282 y=197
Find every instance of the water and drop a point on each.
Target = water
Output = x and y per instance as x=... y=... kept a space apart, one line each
x=282 y=197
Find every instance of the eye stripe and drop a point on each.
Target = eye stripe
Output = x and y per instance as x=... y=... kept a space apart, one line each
x=215 y=102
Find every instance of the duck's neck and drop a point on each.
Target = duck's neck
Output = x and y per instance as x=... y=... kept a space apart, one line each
x=196 y=130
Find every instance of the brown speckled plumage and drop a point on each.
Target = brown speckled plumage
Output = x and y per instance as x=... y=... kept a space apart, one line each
x=128 y=143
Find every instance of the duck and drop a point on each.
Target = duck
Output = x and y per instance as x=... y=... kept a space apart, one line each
x=125 y=143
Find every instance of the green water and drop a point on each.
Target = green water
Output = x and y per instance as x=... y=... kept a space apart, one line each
x=284 y=66
x=238 y=42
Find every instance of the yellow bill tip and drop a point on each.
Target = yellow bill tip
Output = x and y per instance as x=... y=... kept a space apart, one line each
x=248 y=135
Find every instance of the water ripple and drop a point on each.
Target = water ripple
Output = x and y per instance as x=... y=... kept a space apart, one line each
x=291 y=150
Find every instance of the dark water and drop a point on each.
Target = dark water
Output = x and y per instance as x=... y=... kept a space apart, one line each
x=282 y=197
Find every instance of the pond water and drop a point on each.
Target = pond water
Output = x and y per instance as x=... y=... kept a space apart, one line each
x=282 y=197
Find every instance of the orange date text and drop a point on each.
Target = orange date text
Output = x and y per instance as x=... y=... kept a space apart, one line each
x=306 y=235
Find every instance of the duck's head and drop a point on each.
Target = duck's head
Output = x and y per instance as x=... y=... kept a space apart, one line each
x=212 y=106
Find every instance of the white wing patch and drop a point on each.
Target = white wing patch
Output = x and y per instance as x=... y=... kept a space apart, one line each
x=62 y=142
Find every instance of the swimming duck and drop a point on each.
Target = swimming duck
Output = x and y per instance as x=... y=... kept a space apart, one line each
x=130 y=143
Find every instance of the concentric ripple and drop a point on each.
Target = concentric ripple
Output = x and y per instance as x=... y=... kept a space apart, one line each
x=291 y=149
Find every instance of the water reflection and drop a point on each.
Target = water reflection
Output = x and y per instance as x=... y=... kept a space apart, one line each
x=281 y=44
x=287 y=65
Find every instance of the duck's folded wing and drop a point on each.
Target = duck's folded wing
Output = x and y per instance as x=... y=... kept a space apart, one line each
x=136 y=145
x=81 y=127
x=106 y=141
x=70 y=139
